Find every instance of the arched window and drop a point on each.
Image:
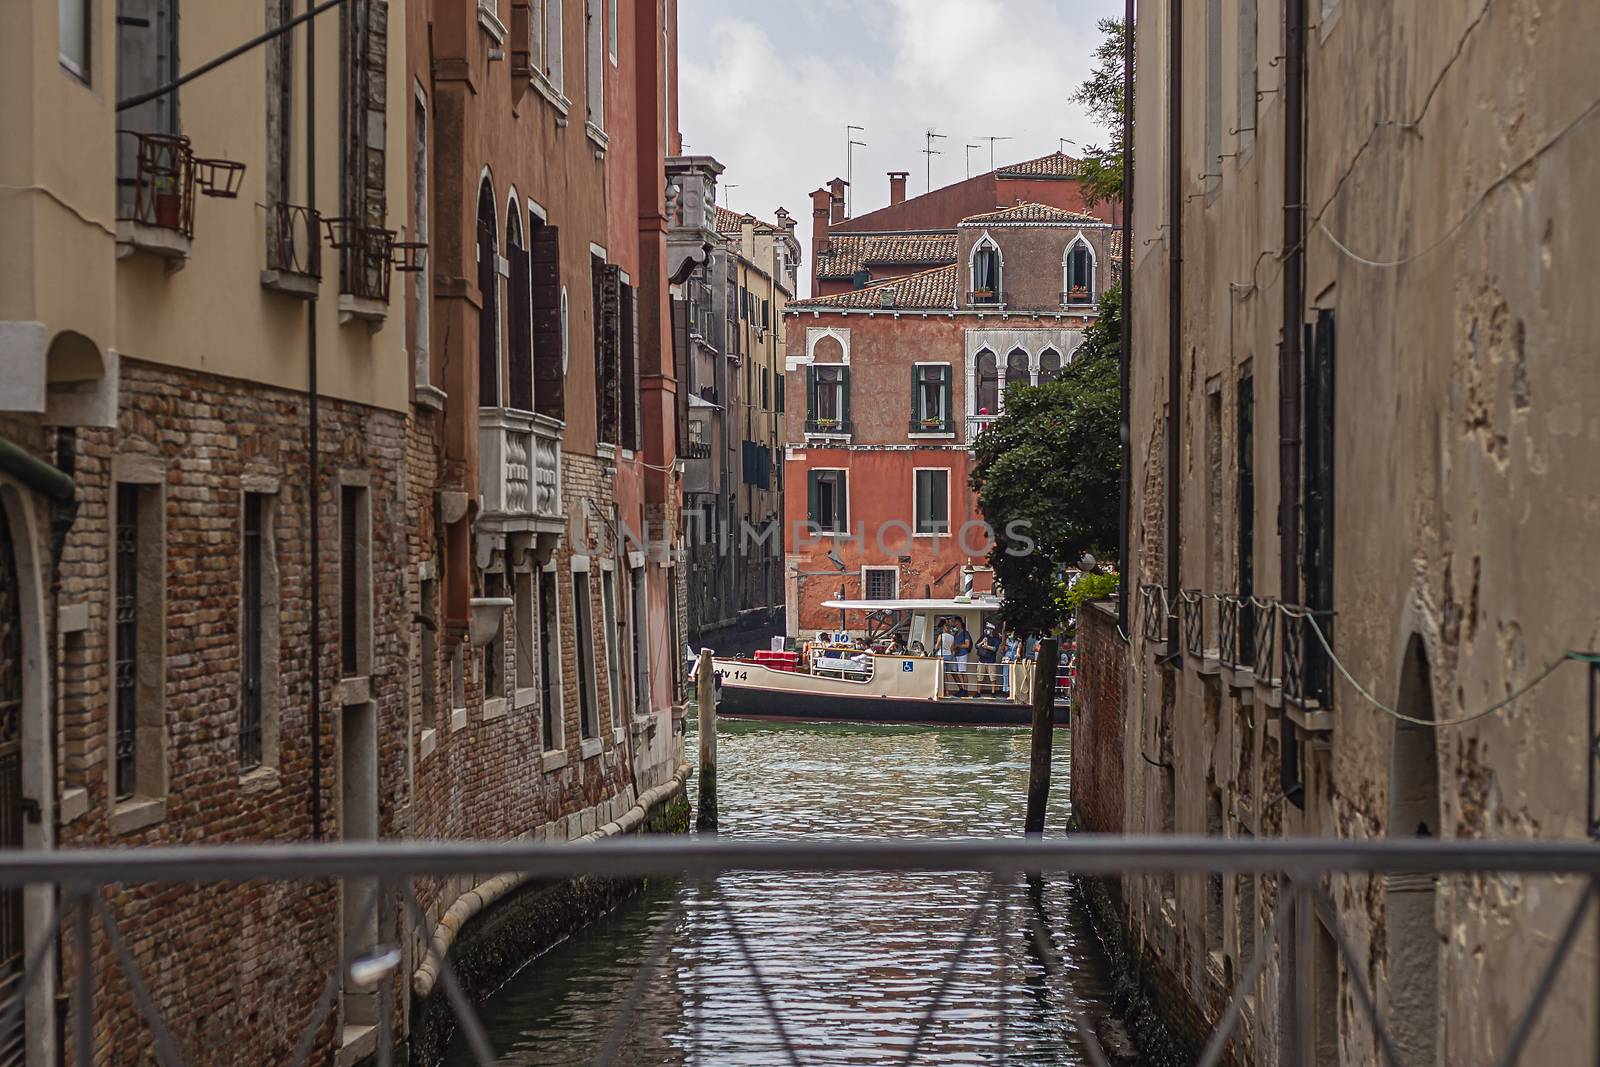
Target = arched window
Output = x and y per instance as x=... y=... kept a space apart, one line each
x=519 y=312
x=488 y=286
x=988 y=398
x=1079 y=269
x=986 y=272
x=1049 y=366
x=1017 y=370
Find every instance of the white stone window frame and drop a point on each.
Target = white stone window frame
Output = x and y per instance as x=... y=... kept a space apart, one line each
x=148 y=804
x=588 y=747
x=525 y=636
x=610 y=623
x=949 y=510
x=893 y=569
x=265 y=775
x=1066 y=270
x=849 y=505
x=949 y=401
x=554 y=756
x=1002 y=342
x=986 y=241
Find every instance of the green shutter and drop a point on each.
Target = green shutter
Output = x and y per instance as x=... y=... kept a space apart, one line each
x=916 y=397
x=844 y=406
x=811 y=497
x=949 y=398
x=811 y=394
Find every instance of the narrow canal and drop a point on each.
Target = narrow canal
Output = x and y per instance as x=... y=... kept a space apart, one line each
x=851 y=961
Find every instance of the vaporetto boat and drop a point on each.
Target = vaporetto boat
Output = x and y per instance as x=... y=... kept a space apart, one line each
x=847 y=684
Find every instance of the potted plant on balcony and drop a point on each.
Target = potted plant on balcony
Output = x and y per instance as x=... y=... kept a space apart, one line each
x=931 y=424
x=827 y=425
x=167 y=203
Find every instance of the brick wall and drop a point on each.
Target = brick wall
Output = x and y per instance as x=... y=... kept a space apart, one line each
x=1097 y=716
x=219 y=958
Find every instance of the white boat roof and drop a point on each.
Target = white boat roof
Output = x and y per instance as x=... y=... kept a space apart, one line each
x=952 y=606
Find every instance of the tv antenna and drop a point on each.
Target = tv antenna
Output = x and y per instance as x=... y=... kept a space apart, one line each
x=851 y=144
x=727 y=189
x=931 y=151
x=991 y=141
x=970 y=147
x=1062 y=143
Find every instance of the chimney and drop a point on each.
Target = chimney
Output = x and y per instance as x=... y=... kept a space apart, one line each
x=821 y=212
x=836 y=187
x=897 y=186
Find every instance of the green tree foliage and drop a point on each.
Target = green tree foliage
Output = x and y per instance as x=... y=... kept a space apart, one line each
x=1102 y=95
x=1047 y=473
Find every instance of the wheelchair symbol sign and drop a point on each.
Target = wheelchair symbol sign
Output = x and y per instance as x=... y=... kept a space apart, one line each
x=905 y=666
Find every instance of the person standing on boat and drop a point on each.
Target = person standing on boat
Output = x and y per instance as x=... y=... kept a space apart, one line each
x=988 y=649
x=944 y=646
x=963 y=645
x=1013 y=651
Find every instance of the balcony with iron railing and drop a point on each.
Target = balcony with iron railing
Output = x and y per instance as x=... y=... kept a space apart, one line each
x=367 y=257
x=1077 y=297
x=986 y=298
x=825 y=427
x=294 y=250
x=931 y=426
x=519 y=474
x=157 y=193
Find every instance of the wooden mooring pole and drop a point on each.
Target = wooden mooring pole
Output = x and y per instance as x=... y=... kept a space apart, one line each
x=1044 y=708
x=706 y=682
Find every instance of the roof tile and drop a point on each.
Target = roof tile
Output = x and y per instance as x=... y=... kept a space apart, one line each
x=930 y=289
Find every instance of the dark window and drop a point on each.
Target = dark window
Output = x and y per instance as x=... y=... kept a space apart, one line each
x=986 y=270
x=933 y=502
x=1017 y=368
x=829 y=504
x=629 y=351
x=519 y=312
x=549 y=661
x=364 y=64
x=1245 y=511
x=489 y=290
x=613 y=638
x=988 y=384
x=607 y=285
x=882 y=583
x=778 y=388
x=351 y=538
x=582 y=612
x=544 y=270
x=930 y=398
x=1080 y=274
x=641 y=652
x=830 y=397
x=1319 y=498
x=494 y=653
x=250 y=620
x=127 y=638
x=147 y=56
x=1049 y=365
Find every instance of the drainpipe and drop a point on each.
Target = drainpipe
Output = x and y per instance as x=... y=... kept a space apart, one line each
x=1174 y=314
x=313 y=502
x=36 y=474
x=1126 y=424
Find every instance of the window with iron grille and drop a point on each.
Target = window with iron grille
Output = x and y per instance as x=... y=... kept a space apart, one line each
x=251 y=639
x=882 y=583
x=494 y=653
x=127 y=639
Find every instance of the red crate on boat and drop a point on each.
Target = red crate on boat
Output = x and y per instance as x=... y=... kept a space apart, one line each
x=778 y=661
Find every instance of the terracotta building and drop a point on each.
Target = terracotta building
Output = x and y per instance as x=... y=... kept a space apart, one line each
x=896 y=368
x=1367 y=393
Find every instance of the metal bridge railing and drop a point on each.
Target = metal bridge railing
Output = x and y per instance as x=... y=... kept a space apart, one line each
x=383 y=873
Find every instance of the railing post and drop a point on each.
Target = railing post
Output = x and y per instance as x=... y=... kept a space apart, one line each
x=706 y=681
x=1044 y=701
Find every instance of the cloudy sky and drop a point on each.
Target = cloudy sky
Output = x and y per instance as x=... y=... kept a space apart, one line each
x=768 y=86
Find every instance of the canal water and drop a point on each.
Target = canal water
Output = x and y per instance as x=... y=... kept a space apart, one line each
x=851 y=962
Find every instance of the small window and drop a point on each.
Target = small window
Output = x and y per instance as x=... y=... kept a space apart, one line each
x=933 y=501
x=550 y=664
x=881 y=583
x=494 y=653
x=138 y=633
x=1080 y=274
x=641 y=651
x=829 y=398
x=593 y=66
x=430 y=653
x=582 y=613
x=523 y=632
x=829 y=503
x=258 y=635
x=988 y=384
x=355 y=588
x=930 y=411
x=613 y=637
x=986 y=272
x=611 y=29
x=74 y=44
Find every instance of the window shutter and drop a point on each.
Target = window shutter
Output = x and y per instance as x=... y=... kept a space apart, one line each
x=630 y=367
x=916 y=398
x=811 y=394
x=488 y=351
x=841 y=500
x=545 y=275
x=521 y=391
x=844 y=399
x=812 y=497
x=947 y=410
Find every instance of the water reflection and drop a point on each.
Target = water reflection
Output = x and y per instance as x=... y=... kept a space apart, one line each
x=850 y=963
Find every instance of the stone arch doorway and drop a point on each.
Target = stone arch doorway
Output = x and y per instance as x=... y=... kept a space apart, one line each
x=25 y=776
x=1411 y=899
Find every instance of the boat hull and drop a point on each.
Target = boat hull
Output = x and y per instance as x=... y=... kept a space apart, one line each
x=752 y=702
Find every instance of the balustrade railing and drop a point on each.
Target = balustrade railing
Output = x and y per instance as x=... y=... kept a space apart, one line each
x=1152 y=609
x=1192 y=612
x=976 y=424
x=1264 y=638
x=1228 y=609
x=519 y=467
x=1307 y=670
